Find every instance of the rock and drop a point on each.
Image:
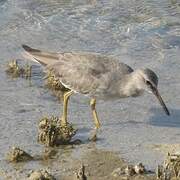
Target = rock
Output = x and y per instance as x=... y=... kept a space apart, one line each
x=80 y=175
x=129 y=170
x=118 y=172
x=14 y=70
x=18 y=155
x=53 y=83
x=171 y=167
x=40 y=175
x=159 y=172
x=139 y=168
x=52 y=133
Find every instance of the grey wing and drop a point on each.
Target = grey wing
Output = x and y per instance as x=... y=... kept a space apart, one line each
x=88 y=73
x=96 y=61
x=76 y=78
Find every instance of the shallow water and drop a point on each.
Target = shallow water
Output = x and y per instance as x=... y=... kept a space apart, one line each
x=140 y=33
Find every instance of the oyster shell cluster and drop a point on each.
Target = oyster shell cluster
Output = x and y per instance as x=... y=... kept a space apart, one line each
x=15 y=70
x=80 y=175
x=53 y=83
x=130 y=170
x=52 y=133
x=170 y=168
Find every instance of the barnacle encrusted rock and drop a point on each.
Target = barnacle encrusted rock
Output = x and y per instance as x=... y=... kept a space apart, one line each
x=15 y=70
x=52 y=133
x=18 y=155
x=139 y=168
x=170 y=169
x=80 y=175
x=130 y=170
x=53 y=83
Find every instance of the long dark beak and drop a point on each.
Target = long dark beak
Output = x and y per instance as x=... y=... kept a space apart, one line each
x=156 y=93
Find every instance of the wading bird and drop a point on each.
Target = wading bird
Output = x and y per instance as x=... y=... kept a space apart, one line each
x=96 y=76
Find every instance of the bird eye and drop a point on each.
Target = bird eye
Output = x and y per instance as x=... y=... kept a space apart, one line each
x=148 y=83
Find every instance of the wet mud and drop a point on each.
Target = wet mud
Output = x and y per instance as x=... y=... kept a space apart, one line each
x=89 y=163
x=106 y=165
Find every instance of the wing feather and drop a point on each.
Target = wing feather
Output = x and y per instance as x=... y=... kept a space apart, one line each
x=87 y=73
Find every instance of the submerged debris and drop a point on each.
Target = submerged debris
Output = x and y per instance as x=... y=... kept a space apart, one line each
x=40 y=175
x=18 y=155
x=14 y=69
x=80 y=175
x=170 y=169
x=52 y=133
x=53 y=83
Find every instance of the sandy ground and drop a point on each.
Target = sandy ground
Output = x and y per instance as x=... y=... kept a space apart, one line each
x=100 y=165
x=63 y=162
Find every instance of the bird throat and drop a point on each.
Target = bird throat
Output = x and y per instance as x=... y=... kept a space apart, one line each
x=131 y=88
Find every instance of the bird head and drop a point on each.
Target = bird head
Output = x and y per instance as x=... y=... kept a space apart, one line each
x=148 y=81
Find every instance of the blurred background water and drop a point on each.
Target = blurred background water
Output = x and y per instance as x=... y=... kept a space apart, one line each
x=141 y=33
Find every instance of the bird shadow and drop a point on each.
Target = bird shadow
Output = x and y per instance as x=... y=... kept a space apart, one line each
x=160 y=119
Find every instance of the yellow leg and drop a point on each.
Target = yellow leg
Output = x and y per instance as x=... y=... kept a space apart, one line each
x=95 y=116
x=65 y=104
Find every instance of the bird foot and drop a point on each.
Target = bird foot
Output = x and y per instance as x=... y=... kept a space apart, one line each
x=93 y=137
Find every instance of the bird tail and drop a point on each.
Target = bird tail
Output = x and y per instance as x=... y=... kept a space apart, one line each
x=44 y=58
